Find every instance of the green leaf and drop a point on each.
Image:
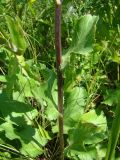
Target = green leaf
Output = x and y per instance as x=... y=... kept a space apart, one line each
x=75 y=101
x=2 y=78
x=89 y=154
x=17 y=123
x=4 y=156
x=83 y=37
x=115 y=57
x=86 y=133
x=14 y=109
x=112 y=96
x=95 y=117
x=18 y=41
x=45 y=92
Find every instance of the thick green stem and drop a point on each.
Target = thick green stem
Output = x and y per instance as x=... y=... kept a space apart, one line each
x=59 y=74
x=114 y=136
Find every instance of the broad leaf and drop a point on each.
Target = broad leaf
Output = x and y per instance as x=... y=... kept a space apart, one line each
x=112 y=96
x=75 y=101
x=83 y=38
x=16 y=120
x=86 y=133
x=89 y=154
x=18 y=41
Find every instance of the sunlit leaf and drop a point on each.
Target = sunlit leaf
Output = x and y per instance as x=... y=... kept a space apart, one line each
x=18 y=41
x=86 y=134
x=83 y=38
x=16 y=121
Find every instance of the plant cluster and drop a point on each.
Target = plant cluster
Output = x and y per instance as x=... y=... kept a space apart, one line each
x=28 y=80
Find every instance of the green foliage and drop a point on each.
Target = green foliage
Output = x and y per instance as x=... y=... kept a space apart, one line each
x=16 y=123
x=85 y=135
x=28 y=83
x=83 y=37
x=114 y=135
x=111 y=100
x=18 y=42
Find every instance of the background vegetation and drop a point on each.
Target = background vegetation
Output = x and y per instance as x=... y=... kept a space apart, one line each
x=28 y=83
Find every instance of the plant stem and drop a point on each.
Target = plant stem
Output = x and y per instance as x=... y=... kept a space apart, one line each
x=114 y=136
x=59 y=74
